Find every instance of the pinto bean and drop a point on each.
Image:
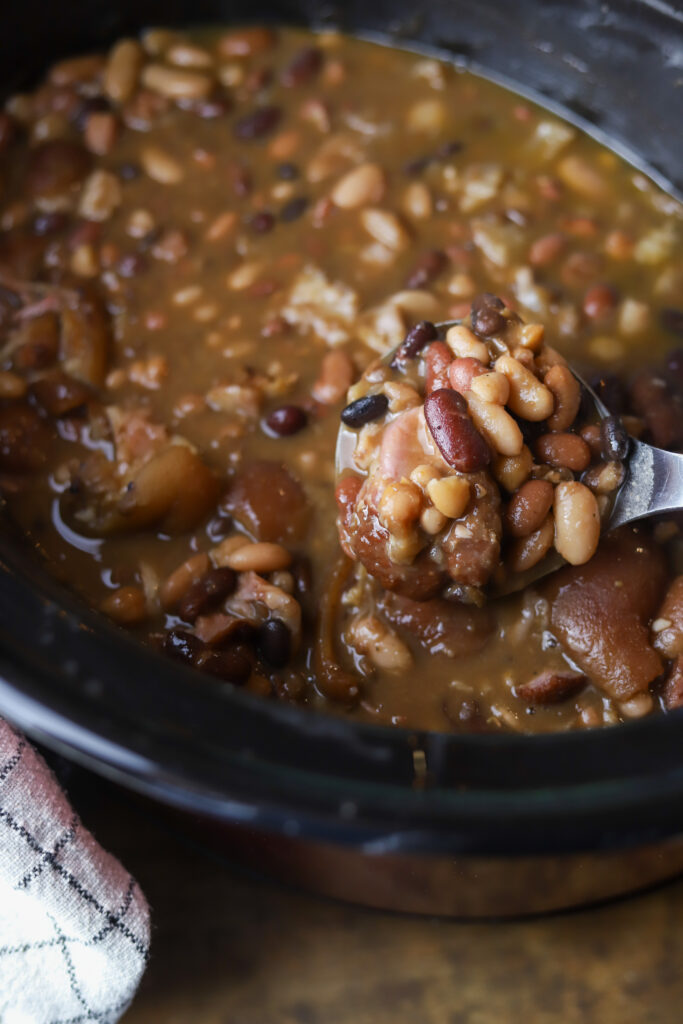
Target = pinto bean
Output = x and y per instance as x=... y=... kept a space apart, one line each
x=564 y=451
x=528 y=508
x=414 y=342
x=205 y=592
x=55 y=166
x=487 y=317
x=336 y=377
x=427 y=269
x=456 y=437
x=566 y=393
x=526 y=552
x=127 y=606
x=599 y=301
x=462 y=372
x=438 y=358
x=177 y=584
x=551 y=687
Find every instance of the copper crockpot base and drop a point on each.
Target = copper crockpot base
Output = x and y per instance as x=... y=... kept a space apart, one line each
x=447 y=886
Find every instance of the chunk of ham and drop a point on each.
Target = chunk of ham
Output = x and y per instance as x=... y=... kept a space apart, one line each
x=601 y=612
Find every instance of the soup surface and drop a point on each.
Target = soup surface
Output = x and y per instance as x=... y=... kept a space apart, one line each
x=206 y=238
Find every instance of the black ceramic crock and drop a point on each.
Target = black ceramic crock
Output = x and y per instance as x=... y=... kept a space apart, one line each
x=452 y=824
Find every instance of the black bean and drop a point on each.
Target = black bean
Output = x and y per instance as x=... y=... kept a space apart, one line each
x=287 y=420
x=259 y=123
x=449 y=149
x=287 y=171
x=614 y=439
x=232 y=665
x=294 y=208
x=415 y=340
x=672 y=320
x=304 y=66
x=206 y=592
x=365 y=410
x=262 y=222
x=414 y=167
x=183 y=645
x=427 y=268
x=129 y=171
x=487 y=318
x=49 y=223
x=274 y=643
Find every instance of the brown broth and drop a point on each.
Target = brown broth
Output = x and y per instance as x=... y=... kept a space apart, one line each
x=492 y=192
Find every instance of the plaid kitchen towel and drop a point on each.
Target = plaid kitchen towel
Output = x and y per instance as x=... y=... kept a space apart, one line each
x=74 y=925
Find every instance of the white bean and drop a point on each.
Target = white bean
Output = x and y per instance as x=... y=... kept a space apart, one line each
x=577 y=522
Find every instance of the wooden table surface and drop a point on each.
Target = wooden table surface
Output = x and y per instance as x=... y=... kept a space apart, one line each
x=232 y=949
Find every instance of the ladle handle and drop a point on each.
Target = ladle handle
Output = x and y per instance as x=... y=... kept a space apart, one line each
x=654 y=483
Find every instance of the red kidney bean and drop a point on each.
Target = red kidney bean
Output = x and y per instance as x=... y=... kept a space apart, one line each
x=274 y=643
x=206 y=592
x=415 y=340
x=614 y=439
x=304 y=66
x=55 y=166
x=599 y=301
x=528 y=507
x=262 y=222
x=49 y=223
x=487 y=318
x=287 y=420
x=260 y=122
x=462 y=371
x=456 y=436
x=427 y=269
x=365 y=410
x=551 y=687
x=438 y=358
x=217 y=105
